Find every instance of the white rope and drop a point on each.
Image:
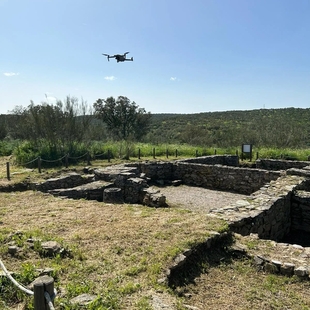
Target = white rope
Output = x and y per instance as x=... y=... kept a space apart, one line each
x=15 y=282
x=49 y=300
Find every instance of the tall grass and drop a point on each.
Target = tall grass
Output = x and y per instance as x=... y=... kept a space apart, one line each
x=25 y=152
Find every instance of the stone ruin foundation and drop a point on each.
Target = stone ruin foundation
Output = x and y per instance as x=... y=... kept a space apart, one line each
x=277 y=206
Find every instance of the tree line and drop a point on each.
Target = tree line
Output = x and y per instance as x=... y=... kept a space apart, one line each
x=71 y=126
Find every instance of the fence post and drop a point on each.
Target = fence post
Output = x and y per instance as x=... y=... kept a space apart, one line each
x=39 y=164
x=88 y=159
x=256 y=155
x=67 y=161
x=167 y=154
x=109 y=156
x=176 y=152
x=42 y=285
x=154 y=152
x=214 y=151
x=139 y=153
x=196 y=153
x=8 y=171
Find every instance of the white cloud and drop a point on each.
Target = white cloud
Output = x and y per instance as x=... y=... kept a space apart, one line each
x=173 y=79
x=50 y=99
x=10 y=73
x=110 y=78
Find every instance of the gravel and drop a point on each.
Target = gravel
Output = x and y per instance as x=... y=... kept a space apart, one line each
x=198 y=198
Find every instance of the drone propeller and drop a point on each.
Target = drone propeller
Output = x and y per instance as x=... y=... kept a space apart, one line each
x=108 y=56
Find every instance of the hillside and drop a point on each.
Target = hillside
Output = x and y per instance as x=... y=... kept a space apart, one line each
x=278 y=128
x=287 y=127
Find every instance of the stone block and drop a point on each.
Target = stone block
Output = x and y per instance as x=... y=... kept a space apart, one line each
x=287 y=269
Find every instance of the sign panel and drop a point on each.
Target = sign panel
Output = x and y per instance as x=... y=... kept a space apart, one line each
x=247 y=148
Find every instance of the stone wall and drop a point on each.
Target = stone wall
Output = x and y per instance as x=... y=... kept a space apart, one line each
x=68 y=180
x=239 y=180
x=267 y=212
x=274 y=164
x=158 y=170
x=227 y=160
x=221 y=177
x=300 y=211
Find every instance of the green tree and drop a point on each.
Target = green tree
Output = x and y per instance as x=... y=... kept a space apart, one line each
x=60 y=126
x=124 y=119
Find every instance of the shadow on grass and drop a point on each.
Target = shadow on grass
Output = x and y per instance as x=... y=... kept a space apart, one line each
x=202 y=259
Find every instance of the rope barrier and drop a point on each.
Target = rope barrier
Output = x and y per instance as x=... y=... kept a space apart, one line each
x=78 y=157
x=30 y=162
x=53 y=161
x=50 y=161
x=62 y=157
x=14 y=281
x=50 y=299
x=98 y=155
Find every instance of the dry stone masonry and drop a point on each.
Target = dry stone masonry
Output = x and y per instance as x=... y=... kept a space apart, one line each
x=278 y=201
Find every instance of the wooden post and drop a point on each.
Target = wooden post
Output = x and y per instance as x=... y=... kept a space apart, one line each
x=196 y=154
x=214 y=151
x=43 y=284
x=176 y=152
x=39 y=164
x=8 y=171
x=154 y=152
x=88 y=159
x=167 y=154
x=139 y=153
x=256 y=155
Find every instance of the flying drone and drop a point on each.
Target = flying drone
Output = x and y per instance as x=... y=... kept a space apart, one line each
x=119 y=57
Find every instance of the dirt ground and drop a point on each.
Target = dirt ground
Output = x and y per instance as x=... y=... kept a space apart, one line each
x=197 y=198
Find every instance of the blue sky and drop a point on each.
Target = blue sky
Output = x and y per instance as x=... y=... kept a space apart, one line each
x=190 y=56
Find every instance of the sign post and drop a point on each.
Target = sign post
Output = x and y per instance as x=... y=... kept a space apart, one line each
x=247 y=149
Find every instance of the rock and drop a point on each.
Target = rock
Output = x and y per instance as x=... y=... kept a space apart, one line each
x=46 y=271
x=259 y=260
x=154 y=200
x=50 y=248
x=12 y=250
x=83 y=299
x=287 y=269
x=113 y=195
x=176 y=182
x=301 y=272
x=271 y=268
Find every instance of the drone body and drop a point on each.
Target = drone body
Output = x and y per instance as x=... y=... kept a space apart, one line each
x=119 y=57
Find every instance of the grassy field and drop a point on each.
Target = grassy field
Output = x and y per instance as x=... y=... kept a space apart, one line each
x=119 y=252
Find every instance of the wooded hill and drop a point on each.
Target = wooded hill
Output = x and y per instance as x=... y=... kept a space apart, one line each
x=289 y=127
x=278 y=128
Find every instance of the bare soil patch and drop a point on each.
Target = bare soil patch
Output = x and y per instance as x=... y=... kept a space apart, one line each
x=198 y=199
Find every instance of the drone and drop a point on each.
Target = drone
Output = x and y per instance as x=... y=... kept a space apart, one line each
x=119 y=57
